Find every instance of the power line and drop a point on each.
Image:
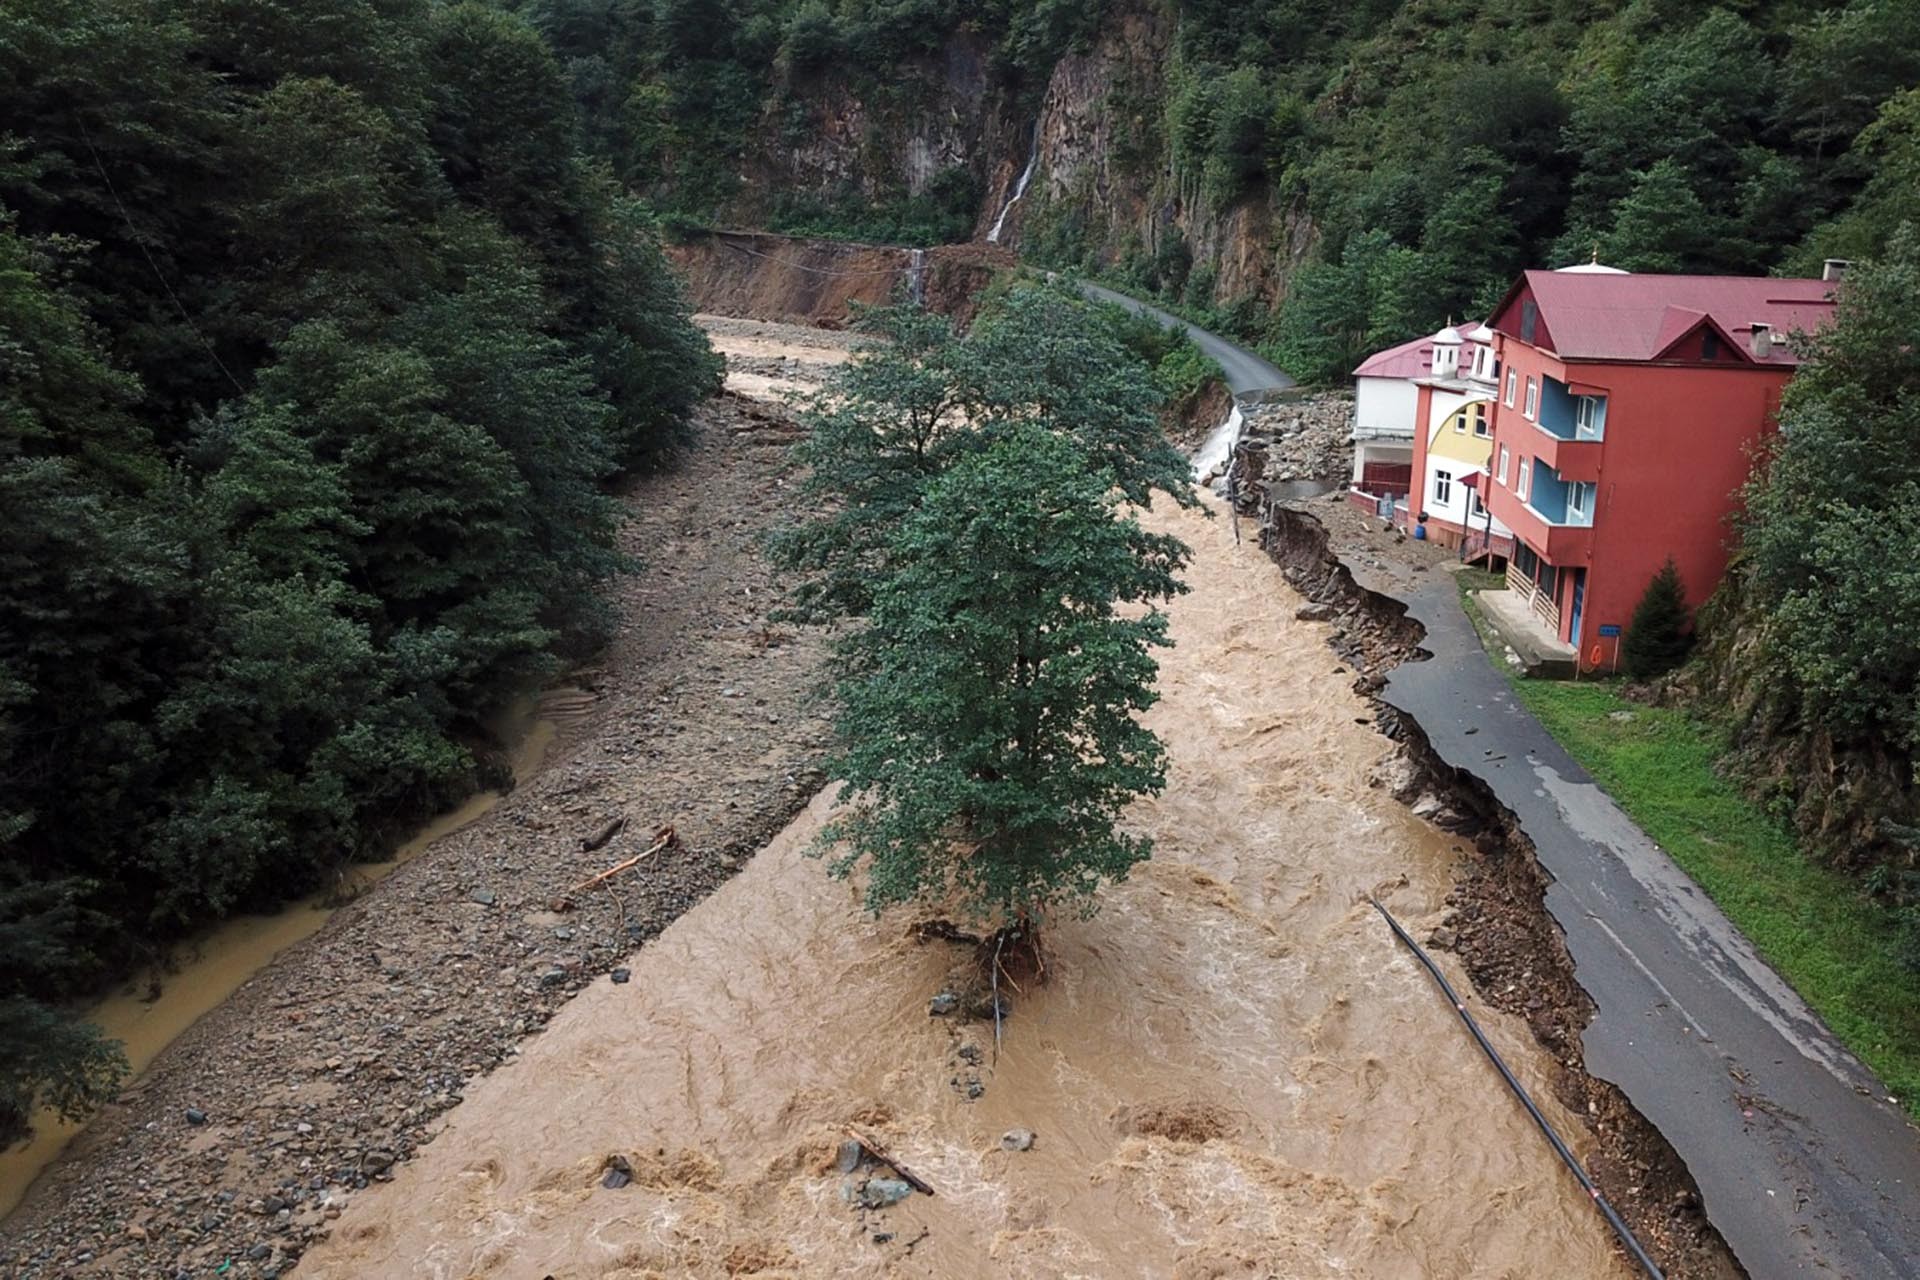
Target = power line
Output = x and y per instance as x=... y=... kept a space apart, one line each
x=134 y=233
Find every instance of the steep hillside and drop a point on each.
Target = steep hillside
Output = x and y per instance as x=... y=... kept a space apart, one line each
x=1322 y=177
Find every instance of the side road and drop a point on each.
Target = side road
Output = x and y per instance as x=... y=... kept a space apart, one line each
x=1805 y=1166
x=1245 y=371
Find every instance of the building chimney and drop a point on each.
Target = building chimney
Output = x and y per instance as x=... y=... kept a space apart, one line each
x=1834 y=269
x=1762 y=340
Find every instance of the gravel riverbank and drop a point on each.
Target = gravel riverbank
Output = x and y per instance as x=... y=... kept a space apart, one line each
x=332 y=1066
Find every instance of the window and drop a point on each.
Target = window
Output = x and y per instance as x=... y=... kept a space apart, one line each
x=1443 y=488
x=1476 y=508
x=1526 y=479
x=1480 y=427
x=1710 y=346
x=1533 y=400
x=1586 y=416
x=1504 y=459
x=1460 y=422
x=1513 y=384
x=1529 y=319
x=1580 y=504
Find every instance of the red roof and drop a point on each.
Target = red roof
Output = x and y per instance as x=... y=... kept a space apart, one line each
x=1639 y=317
x=1408 y=360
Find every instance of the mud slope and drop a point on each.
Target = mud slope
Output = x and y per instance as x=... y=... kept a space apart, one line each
x=1234 y=1071
x=760 y=275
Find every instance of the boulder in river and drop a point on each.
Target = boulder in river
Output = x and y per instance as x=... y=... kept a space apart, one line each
x=1017 y=1140
x=881 y=1192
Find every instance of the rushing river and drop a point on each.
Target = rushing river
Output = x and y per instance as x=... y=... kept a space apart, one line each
x=1232 y=1071
x=212 y=967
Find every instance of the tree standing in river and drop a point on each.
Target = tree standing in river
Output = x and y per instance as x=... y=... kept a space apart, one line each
x=988 y=731
x=969 y=499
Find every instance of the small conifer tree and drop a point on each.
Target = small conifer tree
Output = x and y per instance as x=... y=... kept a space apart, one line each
x=1661 y=633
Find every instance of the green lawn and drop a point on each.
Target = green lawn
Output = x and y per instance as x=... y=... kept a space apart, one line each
x=1836 y=946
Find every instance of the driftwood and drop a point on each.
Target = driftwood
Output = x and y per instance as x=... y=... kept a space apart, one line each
x=589 y=843
x=879 y=1153
x=661 y=839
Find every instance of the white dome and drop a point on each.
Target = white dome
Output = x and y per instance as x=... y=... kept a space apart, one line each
x=1481 y=334
x=1591 y=269
x=1447 y=337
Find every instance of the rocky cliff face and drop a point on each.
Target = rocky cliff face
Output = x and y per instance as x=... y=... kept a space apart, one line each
x=1104 y=165
x=1102 y=159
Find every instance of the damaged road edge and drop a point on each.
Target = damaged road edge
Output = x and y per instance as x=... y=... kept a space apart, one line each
x=1498 y=923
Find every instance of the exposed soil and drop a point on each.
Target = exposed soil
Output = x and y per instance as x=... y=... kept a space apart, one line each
x=766 y=276
x=332 y=1066
x=1498 y=923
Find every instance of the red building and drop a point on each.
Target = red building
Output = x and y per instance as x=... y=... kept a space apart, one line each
x=1621 y=431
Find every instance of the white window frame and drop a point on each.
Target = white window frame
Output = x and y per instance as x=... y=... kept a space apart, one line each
x=1525 y=482
x=1460 y=423
x=1476 y=509
x=1586 y=417
x=1443 y=488
x=1579 y=510
x=1513 y=387
x=1532 y=412
x=1505 y=459
x=1482 y=428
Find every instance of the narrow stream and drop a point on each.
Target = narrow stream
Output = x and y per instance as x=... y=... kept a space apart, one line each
x=1232 y=1071
x=212 y=967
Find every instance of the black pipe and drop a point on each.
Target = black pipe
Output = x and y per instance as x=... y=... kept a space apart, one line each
x=1620 y=1228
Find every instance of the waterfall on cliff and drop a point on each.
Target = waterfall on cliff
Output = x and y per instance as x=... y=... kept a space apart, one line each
x=1019 y=188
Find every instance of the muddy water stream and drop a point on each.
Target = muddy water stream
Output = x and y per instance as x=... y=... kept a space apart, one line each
x=212 y=967
x=1233 y=1070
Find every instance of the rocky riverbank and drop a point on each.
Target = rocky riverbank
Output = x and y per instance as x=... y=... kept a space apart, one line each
x=1308 y=436
x=249 y=1136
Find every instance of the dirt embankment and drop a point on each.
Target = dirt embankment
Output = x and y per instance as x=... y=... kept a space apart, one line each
x=764 y=276
x=327 y=1071
x=1497 y=923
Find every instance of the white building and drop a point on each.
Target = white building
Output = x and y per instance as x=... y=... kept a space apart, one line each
x=1385 y=405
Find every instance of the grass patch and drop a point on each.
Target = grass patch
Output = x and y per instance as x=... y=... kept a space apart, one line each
x=1837 y=947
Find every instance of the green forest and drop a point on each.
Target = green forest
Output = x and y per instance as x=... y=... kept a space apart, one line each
x=327 y=331
x=1434 y=147
x=321 y=343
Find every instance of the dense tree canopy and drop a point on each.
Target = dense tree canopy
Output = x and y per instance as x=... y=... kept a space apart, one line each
x=1433 y=148
x=968 y=497
x=321 y=342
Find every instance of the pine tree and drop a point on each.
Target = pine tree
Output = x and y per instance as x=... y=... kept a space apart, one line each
x=1661 y=634
x=1660 y=226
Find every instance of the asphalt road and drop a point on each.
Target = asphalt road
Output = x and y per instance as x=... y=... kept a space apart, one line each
x=1804 y=1165
x=1245 y=372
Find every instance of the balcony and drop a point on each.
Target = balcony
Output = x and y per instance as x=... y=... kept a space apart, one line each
x=1543 y=521
x=1567 y=416
x=1572 y=460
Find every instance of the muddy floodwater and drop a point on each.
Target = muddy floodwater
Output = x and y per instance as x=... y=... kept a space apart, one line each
x=1233 y=1070
x=146 y=1017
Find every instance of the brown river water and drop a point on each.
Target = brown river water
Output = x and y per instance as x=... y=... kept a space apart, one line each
x=214 y=965
x=1232 y=1071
